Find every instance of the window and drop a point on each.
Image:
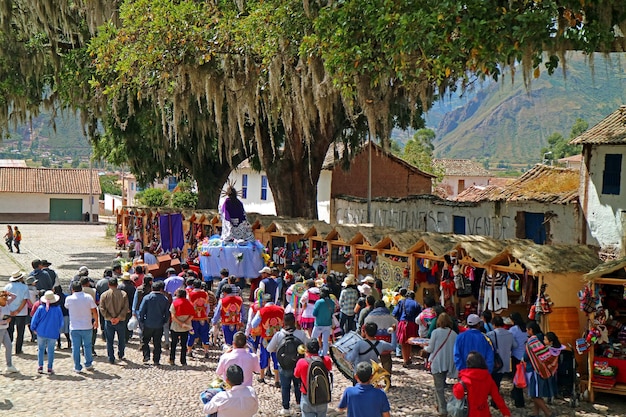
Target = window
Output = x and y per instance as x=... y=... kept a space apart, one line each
x=263 y=187
x=244 y=186
x=612 y=173
x=172 y=182
x=458 y=225
x=132 y=186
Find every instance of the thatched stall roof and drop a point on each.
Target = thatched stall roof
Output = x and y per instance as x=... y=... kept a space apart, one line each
x=481 y=248
x=402 y=241
x=437 y=243
x=371 y=235
x=263 y=220
x=290 y=226
x=615 y=268
x=344 y=232
x=544 y=259
x=319 y=229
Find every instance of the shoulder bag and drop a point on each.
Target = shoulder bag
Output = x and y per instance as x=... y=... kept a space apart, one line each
x=456 y=407
x=431 y=358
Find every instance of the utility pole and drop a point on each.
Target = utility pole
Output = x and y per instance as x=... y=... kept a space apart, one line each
x=369 y=180
x=90 y=190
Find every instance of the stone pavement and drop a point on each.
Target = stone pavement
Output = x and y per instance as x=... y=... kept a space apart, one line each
x=131 y=389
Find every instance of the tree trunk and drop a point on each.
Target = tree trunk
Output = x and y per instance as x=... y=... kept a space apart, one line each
x=293 y=174
x=210 y=177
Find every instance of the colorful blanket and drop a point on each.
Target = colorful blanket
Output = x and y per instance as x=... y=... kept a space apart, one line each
x=543 y=362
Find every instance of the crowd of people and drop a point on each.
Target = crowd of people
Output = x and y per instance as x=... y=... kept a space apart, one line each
x=281 y=335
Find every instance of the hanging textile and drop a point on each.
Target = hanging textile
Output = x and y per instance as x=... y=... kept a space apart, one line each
x=391 y=272
x=171 y=228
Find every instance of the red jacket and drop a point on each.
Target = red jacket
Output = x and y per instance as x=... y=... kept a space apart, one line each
x=480 y=386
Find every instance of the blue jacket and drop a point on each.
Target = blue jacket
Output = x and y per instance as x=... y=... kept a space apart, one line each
x=154 y=310
x=47 y=323
x=468 y=341
x=323 y=312
x=407 y=310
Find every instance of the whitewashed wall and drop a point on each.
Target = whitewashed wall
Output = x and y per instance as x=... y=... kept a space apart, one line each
x=254 y=204
x=37 y=203
x=451 y=183
x=492 y=219
x=112 y=202
x=605 y=213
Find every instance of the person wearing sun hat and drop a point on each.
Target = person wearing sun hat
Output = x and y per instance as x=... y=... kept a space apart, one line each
x=18 y=308
x=472 y=340
x=347 y=301
x=370 y=282
x=6 y=298
x=46 y=323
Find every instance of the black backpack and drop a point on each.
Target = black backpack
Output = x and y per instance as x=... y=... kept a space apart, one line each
x=318 y=379
x=287 y=352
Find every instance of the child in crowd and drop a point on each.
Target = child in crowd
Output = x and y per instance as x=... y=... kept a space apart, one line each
x=364 y=400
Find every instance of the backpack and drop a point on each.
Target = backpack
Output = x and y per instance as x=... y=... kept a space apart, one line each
x=318 y=378
x=287 y=352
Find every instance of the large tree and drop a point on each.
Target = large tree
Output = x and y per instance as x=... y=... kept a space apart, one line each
x=278 y=79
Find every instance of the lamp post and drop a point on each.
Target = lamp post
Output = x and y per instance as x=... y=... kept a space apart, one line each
x=545 y=158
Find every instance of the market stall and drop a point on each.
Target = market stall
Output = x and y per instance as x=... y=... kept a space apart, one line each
x=469 y=257
x=539 y=282
x=603 y=298
x=318 y=253
x=394 y=265
x=427 y=255
x=339 y=250
x=364 y=253
x=287 y=242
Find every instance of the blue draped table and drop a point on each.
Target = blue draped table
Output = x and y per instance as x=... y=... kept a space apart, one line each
x=223 y=255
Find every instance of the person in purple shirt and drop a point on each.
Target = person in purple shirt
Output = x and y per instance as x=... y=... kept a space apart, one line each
x=173 y=282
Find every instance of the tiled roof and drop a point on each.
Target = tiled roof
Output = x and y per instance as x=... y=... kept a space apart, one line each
x=573 y=158
x=13 y=163
x=543 y=183
x=501 y=181
x=461 y=168
x=610 y=130
x=49 y=181
x=477 y=193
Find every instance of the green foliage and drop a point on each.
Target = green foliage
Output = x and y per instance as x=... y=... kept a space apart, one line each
x=109 y=230
x=419 y=152
x=153 y=197
x=559 y=147
x=109 y=184
x=184 y=199
x=45 y=162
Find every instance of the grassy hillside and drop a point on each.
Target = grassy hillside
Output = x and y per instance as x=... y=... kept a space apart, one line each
x=506 y=122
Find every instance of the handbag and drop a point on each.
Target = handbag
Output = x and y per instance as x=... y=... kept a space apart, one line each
x=430 y=359
x=519 y=379
x=456 y=407
x=498 y=363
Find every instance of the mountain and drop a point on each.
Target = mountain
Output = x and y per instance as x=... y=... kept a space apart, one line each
x=41 y=137
x=507 y=122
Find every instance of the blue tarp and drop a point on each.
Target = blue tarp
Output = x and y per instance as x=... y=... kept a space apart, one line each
x=224 y=255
